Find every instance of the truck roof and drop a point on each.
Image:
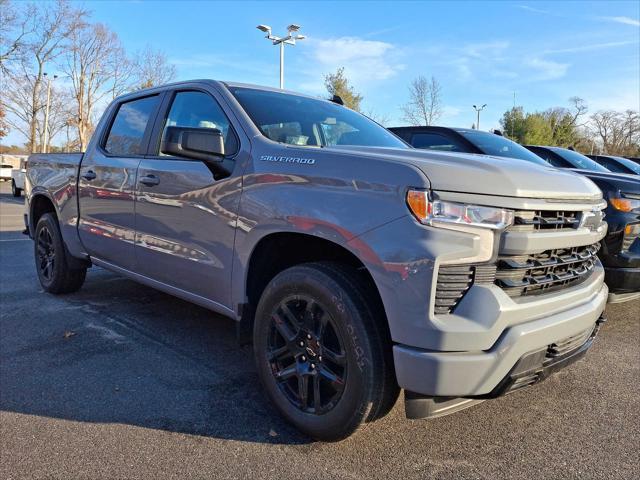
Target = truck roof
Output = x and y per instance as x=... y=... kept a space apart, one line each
x=210 y=81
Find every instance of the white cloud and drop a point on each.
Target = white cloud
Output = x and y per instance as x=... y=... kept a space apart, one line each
x=624 y=20
x=484 y=50
x=531 y=9
x=592 y=47
x=547 y=69
x=363 y=60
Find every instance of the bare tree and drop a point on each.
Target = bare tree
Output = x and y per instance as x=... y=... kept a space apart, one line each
x=50 y=24
x=60 y=113
x=4 y=126
x=122 y=70
x=579 y=109
x=617 y=132
x=381 y=118
x=14 y=30
x=425 y=102
x=89 y=65
x=20 y=106
x=152 y=68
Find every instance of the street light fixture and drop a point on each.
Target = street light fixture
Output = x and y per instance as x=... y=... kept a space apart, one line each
x=478 y=110
x=45 y=143
x=290 y=39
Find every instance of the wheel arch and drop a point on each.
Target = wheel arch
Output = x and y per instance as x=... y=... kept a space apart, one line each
x=278 y=251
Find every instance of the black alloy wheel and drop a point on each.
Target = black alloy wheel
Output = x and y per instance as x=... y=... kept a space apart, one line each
x=46 y=254
x=306 y=355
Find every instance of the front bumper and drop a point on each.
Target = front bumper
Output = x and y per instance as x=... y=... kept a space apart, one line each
x=480 y=373
x=622 y=280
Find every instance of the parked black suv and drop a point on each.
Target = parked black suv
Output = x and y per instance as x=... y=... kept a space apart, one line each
x=620 y=252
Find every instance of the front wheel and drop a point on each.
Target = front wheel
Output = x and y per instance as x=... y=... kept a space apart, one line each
x=51 y=259
x=322 y=354
x=15 y=191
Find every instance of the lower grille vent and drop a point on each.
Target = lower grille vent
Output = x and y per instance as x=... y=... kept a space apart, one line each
x=568 y=344
x=455 y=280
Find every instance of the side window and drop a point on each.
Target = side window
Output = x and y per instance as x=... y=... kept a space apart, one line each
x=434 y=141
x=200 y=110
x=557 y=162
x=611 y=165
x=128 y=127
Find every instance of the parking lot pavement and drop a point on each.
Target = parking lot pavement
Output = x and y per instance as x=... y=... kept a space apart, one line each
x=121 y=381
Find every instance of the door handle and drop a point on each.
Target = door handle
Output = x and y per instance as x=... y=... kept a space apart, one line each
x=89 y=175
x=149 y=180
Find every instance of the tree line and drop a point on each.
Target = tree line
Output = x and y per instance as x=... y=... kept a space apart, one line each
x=56 y=45
x=606 y=131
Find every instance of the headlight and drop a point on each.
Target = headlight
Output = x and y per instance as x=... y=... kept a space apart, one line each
x=625 y=203
x=433 y=212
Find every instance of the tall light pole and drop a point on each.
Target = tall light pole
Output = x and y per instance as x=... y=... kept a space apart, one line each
x=45 y=143
x=290 y=39
x=478 y=110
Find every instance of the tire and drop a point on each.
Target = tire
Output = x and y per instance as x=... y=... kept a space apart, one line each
x=51 y=259
x=323 y=309
x=15 y=190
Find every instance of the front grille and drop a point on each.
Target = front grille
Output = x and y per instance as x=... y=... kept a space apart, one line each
x=628 y=240
x=454 y=281
x=551 y=270
x=544 y=220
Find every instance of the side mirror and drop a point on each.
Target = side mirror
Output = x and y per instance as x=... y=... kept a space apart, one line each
x=198 y=143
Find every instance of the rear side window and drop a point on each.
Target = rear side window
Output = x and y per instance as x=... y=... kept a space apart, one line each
x=550 y=157
x=128 y=127
x=434 y=141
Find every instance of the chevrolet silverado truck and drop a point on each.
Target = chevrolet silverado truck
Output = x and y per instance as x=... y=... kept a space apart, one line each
x=357 y=265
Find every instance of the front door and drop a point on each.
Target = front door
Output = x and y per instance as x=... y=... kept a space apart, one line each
x=107 y=181
x=185 y=217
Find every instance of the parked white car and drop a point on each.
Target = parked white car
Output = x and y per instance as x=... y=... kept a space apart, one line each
x=5 y=171
x=17 y=180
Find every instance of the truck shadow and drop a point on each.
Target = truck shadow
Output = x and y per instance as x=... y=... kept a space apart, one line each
x=119 y=352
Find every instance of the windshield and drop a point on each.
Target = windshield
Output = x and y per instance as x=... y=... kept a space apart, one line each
x=297 y=120
x=631 y=165
x=492 y=144
x=579 y=161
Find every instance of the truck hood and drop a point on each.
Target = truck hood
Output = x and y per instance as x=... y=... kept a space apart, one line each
x=487 y=175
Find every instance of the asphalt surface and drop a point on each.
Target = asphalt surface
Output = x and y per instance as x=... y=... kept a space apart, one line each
x=121 y=381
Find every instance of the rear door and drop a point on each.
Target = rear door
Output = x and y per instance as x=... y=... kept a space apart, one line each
x=185 y=210
x=107 y=181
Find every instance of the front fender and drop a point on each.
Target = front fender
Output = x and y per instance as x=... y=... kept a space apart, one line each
x=336 y=199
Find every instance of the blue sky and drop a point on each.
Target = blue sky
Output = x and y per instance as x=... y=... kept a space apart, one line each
x=481 y=52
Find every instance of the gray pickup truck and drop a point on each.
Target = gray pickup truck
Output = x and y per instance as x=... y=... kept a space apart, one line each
x=356 y=264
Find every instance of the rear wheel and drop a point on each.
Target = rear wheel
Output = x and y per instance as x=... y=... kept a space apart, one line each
x=15 y=190
x=321 y=353
x=51 y=259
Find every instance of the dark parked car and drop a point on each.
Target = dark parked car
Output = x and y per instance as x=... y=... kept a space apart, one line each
x=617 y=164
x=620 y=252
x=464 y=140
